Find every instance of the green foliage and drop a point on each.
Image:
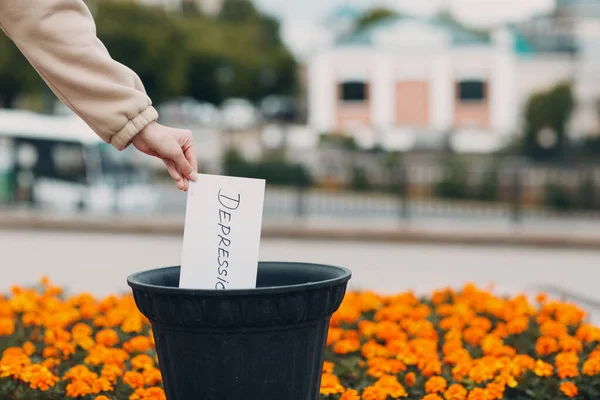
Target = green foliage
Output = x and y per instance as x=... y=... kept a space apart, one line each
x=147 y=40
x=373 y=16
x=454 y=183
x=275 y=170
x=16 y=74
x=548 y=110
x=339 y=140
x=559 y=198
x=360 y=181
x=488 y=188
x=238 y=54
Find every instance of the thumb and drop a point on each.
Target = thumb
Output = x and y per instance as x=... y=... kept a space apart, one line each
x=184 y=167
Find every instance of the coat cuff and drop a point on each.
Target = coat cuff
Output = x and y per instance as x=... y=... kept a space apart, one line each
x=122 y=139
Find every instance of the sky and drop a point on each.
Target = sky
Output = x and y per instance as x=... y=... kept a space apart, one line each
x=302 y=19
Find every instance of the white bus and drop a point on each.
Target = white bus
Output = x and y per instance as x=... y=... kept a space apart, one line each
x=59 y=163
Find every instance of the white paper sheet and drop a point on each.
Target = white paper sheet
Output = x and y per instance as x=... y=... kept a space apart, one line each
x=222 y=233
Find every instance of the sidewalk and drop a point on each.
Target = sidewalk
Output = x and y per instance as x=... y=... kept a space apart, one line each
x=555 y=233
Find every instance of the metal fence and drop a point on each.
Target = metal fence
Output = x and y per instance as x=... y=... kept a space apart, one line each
x=490 y=189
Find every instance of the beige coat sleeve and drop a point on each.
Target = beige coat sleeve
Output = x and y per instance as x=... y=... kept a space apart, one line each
x=58 y=37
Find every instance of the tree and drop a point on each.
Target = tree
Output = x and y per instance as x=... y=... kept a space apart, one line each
x=374 y=15
x=16 y=74
x=149 y=41
x=546 y=117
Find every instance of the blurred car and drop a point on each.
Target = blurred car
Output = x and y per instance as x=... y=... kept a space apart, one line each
x=239 y=115
x=278 y=108
x=187 y=110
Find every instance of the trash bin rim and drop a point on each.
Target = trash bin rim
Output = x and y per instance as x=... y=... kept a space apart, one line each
x=344 y=276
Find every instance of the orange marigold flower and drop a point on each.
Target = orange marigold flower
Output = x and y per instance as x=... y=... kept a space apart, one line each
x=134 y=379
x=153 y=393
x=432 y=396
x=461 y=370
x=38 y=377
x=81 y=329
x=78 y=388
x=379 y=367
x=553 y=329
x=432 y=367
x=455 y=392
x=496 y=390
x=591 y=367
x=7 y=326
x=435 y=384
x=107 y=337
x=328 y=367
x=473 y=335
x=479 y=394
x=517 y=325
x=391 y=386
x=545 y=346
x=588 y=333
x=138 y=344
x=410 y=379
x=51 y=362
x=374 y=393
x=142 y=361
x=346 y=346
x=334 y=335
x=152 y=376
x=567 y=371
x=542 y=368
x=101 y=397
x=132 y=324
x=111 y=372
x=373 y=349
x=570 y=343
x=28 y=348
x=350 y=394
x=569 y=389
x=330 y=384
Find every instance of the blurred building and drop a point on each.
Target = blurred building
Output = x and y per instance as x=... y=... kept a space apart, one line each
x=409 y=83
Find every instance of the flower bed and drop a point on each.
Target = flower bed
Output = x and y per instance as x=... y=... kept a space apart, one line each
x=466 y=345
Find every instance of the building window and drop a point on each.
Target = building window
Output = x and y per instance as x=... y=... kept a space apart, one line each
x=471 y=91
x=353 y=91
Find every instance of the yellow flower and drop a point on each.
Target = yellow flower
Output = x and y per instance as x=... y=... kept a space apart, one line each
x=543 y=368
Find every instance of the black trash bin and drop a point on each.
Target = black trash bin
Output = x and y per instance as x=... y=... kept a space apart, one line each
x=266 y=343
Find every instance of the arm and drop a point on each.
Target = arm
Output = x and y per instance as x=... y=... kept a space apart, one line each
x=58 y=37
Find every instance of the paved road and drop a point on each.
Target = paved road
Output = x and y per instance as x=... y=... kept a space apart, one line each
x=99 y=263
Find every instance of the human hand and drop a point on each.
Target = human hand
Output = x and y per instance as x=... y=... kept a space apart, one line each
x=175 y=147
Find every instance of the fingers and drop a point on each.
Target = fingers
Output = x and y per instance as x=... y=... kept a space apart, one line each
x=190 y=154
x=181 y=182
x=184 y=167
